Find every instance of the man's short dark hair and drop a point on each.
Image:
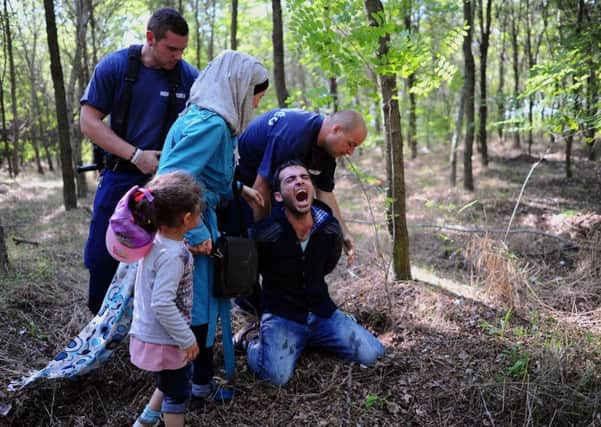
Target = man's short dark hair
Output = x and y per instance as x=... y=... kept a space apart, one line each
x=275 y=184
x=167 y=19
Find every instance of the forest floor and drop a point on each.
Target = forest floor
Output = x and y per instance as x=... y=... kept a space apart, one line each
x=498 y=328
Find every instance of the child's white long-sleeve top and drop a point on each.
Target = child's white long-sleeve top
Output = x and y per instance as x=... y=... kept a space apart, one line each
x=163 y=295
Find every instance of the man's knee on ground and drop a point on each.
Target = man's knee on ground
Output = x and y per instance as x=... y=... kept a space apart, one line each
x=370 y=352
x=275 y=371
x=277 y=376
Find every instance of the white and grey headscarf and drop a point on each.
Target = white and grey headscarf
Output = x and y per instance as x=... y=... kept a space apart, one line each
x=227 y=85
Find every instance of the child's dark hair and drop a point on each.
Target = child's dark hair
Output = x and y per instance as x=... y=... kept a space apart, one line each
x=173 y=195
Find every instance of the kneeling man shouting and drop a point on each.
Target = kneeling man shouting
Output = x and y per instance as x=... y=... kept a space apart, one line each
x=299 y=244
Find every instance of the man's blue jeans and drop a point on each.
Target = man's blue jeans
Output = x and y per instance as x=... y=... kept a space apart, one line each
x=273 y=355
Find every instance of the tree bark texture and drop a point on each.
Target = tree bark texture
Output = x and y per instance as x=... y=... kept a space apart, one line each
x=5 y=132
x=394 y=143
x=502 y=59
x=412 y=128
x=197 y=32
x=483 y=104
x=516 y=72
x=469 y=82
x=234 y=26
x=211 y=47
x=4 y=261
x=3 y=116
x=13 y=92
x=69 y=198
x=81 y=24
x=457 y=136
x=279 y=74
x=334 y=93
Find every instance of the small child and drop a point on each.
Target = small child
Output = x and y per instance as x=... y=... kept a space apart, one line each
x=161 y=340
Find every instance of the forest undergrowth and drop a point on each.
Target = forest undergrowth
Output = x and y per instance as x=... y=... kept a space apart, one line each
x=521 y=347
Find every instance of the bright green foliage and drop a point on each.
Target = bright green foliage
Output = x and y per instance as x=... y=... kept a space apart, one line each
x=568 y=80
x=334 y=39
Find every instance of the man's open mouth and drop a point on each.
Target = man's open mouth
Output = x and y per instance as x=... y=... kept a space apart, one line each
x=301 y=195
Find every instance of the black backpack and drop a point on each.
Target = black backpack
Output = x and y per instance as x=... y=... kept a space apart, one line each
x=119 y=120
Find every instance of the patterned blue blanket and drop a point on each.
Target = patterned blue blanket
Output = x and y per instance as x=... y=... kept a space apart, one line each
x=99 y=339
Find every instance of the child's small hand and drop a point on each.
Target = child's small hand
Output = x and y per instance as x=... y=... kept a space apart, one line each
x=203 y=248
x=191 y=352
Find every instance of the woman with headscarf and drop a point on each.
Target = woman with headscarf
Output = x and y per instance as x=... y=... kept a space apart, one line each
x=203 y=142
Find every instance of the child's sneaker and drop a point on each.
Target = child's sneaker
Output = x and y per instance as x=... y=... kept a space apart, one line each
x=148 y=421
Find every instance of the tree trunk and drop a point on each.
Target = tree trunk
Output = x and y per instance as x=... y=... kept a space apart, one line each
x=592 y=106
x=279 y=74
x=529 y=54
x=197 y=32
x=13 y=91
x=69 y=198
x=93 y=35
x=211 y=47
x=234 y=26
x=81 y=24
x=592 y=96
x=500 y=95
x=470 y=83
x=483 y=104
x=412 y=128
x=48 y=142
x=516 y=73
x=334 y=93
x=3 y=115
x=394 y=141
x=457 y=135
x=5 y=130
x=568 y=154
x=4 y=261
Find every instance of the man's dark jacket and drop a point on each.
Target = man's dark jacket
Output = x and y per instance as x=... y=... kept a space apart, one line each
x=293 y=281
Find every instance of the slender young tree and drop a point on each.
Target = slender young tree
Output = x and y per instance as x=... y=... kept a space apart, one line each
x=234 y=26
x=457 y=135
x=532 y=46
x=394 y=144
x=334 y=93
x=211 y=9
x=410 y=83
x=3 y=109
x=502 y=59
x=470 y=80
x=484 y=20
x=197 y=33
x=4 y=261
x=69 y=198
x=13 y=90
x=279 y=73
x=516 y=17
x=81 y=14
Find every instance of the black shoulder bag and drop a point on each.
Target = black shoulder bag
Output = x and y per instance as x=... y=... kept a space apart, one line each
x=236 y=260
